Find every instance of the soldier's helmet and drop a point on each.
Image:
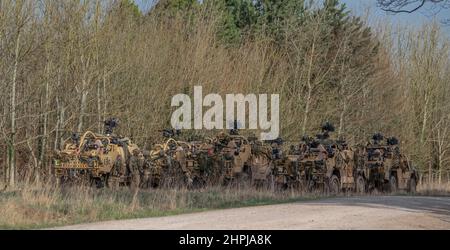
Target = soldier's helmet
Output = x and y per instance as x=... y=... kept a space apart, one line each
x=221 y=137
x=377 y=138
x=392 y=141
x=252 y=137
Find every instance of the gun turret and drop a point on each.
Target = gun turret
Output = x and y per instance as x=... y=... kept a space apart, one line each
x=110 y=125
x=75 y=138
x=278 y=141
x=377 y=138
x=235 y=129
x=391 y=141
x=170 y=133
x=327 y=127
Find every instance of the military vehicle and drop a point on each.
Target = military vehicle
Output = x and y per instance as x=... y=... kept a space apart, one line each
x=200 y=161
x=325 y=164
x=341 y=175
x=168 y=166
x=262 y=160
x=234 y=152
x=287 y=171
x=381 y=166
x=99 y=158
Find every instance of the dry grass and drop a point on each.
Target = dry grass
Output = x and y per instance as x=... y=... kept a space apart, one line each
x=434 y=189
x=48 y=206
x=38 y=207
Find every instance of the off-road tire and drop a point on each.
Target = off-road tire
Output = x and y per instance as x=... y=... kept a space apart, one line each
x=393 y=186
x=361 y=185
x=334 y=185
x=412 y=185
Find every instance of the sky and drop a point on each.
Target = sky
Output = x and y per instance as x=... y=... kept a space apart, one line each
x=360 y=7
x=428 y=13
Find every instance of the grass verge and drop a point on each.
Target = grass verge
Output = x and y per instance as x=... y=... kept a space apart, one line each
x=34 y=207
x=49 y=206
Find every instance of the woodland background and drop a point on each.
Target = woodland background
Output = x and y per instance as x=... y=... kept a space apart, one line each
x=68 y=65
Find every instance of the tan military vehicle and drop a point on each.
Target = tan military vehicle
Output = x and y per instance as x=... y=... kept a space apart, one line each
x=168 y=164
x=328 y=165
x=261 y=162
x=234 y=154
x=99 y=158
x=201 y=162
x=381 y=166
x=340 y=172
x=287 y=171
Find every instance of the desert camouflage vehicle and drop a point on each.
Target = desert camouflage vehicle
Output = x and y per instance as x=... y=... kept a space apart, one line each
x=168 y=164
x=200 y=160
x=262 y=160
x=287 y=171
x=234 y=153
x=325 y=164
x=381 y=166
x=340 y=173
x=99 y=158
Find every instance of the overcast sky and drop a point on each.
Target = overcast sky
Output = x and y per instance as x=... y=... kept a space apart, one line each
x=359 y=7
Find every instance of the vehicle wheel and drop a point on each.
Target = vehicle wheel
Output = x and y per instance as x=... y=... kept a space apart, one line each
x=270 y=182
x=244 y=179
x=311 y=186
x=334 y=185
x=98 y=182
x=198 y=183
x=361 y=185
x=281 y=186
x=113 y=182
x=393 y=184
x=412 y=186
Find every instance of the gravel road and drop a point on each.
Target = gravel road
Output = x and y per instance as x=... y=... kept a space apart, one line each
x=372 y=212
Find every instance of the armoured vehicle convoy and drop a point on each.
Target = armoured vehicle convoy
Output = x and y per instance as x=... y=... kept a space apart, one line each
x=190 y=164
x=382 y=166
x=228 y=158
x=102 y=159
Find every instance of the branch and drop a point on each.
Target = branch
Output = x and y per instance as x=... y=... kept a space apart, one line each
x=422 y=3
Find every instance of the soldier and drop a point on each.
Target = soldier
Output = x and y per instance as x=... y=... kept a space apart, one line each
x=277 y=152
x=222 y=140
x=135 y=168
x=145 y=179
x=180 y=156
x=99 y=146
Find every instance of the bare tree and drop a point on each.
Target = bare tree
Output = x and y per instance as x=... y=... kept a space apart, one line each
x=410 y=6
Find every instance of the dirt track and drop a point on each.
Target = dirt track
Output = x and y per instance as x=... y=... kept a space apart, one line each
x=376 y=212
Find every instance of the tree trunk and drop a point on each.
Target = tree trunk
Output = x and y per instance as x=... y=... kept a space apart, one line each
x=308 y=97
x=341 y=118
x=82 y=106
x=41 y=164
x=61 y=124
x=99 y=109
x=12 y=149
x=105 y=100
x=58 y=125
x=429 y=173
